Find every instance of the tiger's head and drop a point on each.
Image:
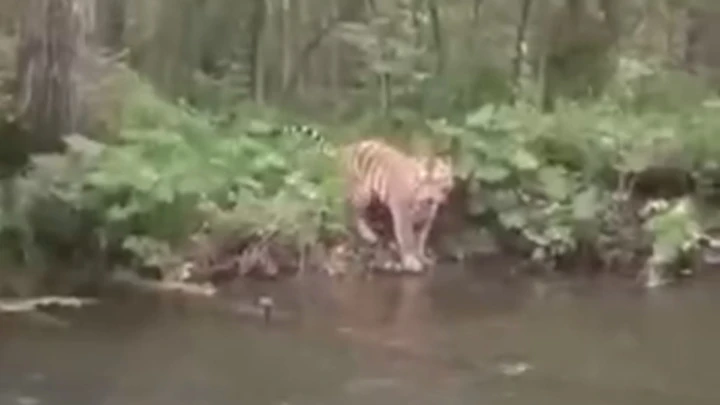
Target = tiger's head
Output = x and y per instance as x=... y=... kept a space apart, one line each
x=436 y=179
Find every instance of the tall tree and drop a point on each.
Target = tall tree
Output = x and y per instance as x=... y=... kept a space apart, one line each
x=52 y=38
x=257 y=65
x=520 y=38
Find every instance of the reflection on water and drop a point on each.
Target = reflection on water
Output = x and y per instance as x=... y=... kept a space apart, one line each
x=450 y=337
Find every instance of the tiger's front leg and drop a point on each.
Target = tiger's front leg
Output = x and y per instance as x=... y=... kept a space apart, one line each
x=426 y=222
x=405 y=237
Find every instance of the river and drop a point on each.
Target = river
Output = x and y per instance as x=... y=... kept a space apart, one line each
x=455 y=336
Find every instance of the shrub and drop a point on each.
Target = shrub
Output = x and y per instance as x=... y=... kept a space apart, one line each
x=174 y=172
x=564 y=183
x=568 y=181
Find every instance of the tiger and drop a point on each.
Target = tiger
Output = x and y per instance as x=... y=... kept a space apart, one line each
x=412 y=188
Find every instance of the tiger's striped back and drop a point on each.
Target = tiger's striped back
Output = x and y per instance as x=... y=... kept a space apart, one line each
x=382 y=169
x=379 y=167
x=375 y=169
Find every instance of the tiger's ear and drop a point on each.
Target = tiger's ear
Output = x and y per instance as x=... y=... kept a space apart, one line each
x=427 y=165
x=442 y=156
x=445 y=155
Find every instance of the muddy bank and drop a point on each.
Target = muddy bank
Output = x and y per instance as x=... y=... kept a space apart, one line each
x=457 y=237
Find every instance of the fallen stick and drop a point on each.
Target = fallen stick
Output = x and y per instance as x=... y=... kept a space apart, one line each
x=128 y=277
x=31 y=304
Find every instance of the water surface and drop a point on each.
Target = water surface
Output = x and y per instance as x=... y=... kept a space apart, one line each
x=453 y=337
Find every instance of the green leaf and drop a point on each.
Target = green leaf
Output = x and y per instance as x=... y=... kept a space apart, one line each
x=268 y=161
x=586 y=205
x=554 y=182
x=257 y=127
x=163 y=192
x=449 y=130
x=491 y=173
x=481 y=145
x=503 y=200
x=249 y=183
x=121 y=213
x=524 y=160
x=480 y=118
x=513 y=219
x=477 y=204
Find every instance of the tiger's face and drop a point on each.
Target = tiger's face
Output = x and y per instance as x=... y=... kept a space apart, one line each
x=434 y=186
x=436 y=180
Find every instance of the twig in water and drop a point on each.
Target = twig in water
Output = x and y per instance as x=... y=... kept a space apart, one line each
x=31 y=304
x=130 y=278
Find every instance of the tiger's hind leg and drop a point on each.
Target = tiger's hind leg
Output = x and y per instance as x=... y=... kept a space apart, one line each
x=364 y=229
x=357 y=205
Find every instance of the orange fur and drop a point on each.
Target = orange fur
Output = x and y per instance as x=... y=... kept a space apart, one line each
x=411 y=188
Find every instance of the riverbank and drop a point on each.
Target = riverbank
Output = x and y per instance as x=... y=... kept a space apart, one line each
x=180 y=191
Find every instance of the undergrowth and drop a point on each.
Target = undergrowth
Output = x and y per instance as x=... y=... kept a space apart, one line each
x=175 y=174
x=572 y=184
x=577 y=184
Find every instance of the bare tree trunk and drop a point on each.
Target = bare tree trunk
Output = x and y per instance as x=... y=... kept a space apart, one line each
x=286 y=14
x=437 y=36
x=476 y=11
x=520 y=36
x=384 y=77
x=612 y=17
x=417 y=6
x=51 y=40
x=701 y=52
x=111 y=24
x=544 y=99
x=257 y=68
x=348 y=9
x=299 y=79
x=385 y=92
x=692 y=40
x=14 y=156
x=335 y=63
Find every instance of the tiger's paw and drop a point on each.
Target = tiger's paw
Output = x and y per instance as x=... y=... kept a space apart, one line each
x=412 y=264
x=428 y=259
x=368 y=236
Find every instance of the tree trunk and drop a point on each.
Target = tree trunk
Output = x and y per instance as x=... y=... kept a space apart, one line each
x=335 y=60
x=417 y=6
x=612 y=17
x=257 y=29
x=111 y=24
x=520 y=36
x=51 y=39
x=476 y=11
x=692 y=40
x=288 y=40
x=385 y=93
x=437 y=36
x=349 y=8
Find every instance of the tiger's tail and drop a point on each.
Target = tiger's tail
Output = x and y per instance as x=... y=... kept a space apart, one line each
x=306 y=131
